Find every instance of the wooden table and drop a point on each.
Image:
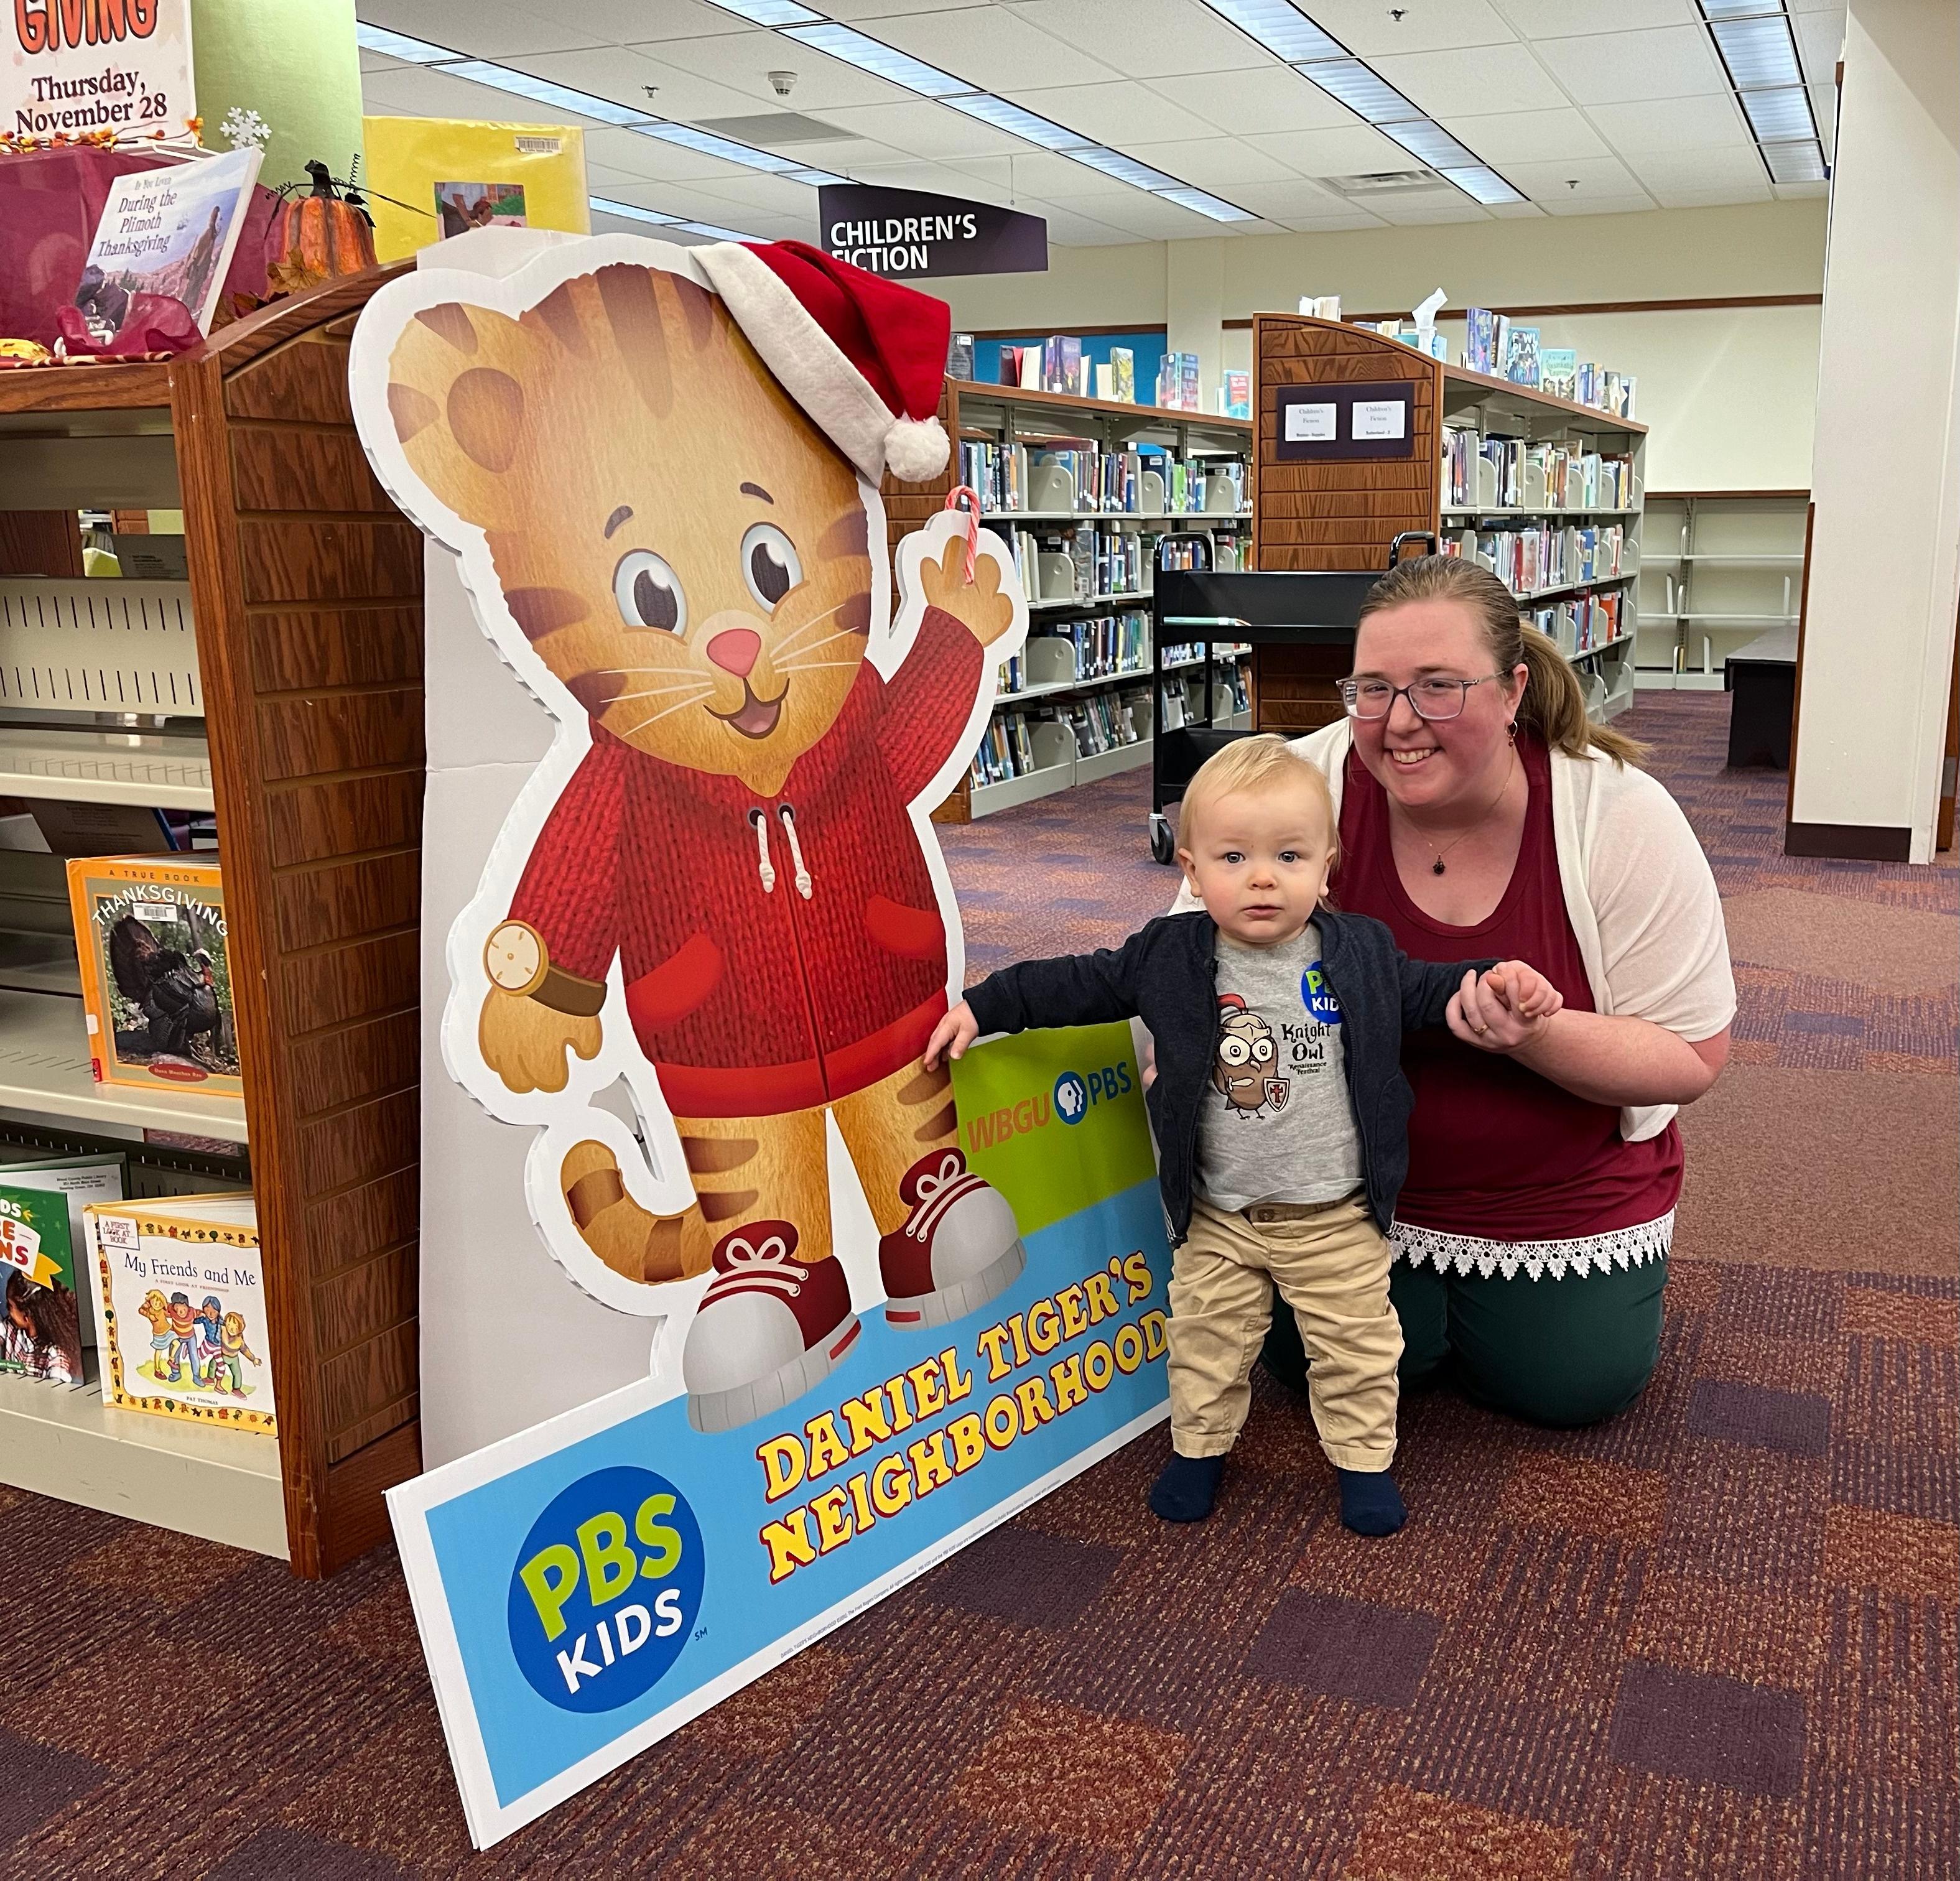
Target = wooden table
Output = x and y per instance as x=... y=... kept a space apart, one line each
x=1762 y=676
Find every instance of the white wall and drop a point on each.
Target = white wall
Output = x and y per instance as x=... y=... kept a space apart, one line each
x=1729 y=392
x=1884 y=561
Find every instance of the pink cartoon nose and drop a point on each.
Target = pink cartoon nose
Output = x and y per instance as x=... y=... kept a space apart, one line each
x=735 y=650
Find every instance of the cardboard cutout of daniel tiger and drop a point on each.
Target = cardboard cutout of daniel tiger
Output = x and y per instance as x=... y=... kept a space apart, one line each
x=659 y=467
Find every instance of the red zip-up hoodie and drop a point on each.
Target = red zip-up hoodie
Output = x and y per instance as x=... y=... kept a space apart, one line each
x=778 y=951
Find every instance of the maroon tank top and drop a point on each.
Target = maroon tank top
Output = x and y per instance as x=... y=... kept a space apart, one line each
x=1495 y=1151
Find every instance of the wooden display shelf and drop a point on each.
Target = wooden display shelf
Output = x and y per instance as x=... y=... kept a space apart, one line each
x=305 y=589
x=44 y=1068
x=1343 y=513
x=1055 y=403
x=99 y=767
x=63 y=1441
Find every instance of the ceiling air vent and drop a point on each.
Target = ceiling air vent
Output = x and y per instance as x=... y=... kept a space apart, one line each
x=1387 y=182
x=770 y=129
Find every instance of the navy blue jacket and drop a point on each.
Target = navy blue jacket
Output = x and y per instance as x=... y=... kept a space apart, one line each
x=1166 y=975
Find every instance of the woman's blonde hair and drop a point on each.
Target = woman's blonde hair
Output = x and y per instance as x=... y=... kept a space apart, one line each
x=1553 y=705
x=1264 y=762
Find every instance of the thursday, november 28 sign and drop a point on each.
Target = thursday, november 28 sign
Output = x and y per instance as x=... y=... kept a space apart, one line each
x=906 y=235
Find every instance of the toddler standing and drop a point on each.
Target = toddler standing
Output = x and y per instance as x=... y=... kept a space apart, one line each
x=1280 y=1109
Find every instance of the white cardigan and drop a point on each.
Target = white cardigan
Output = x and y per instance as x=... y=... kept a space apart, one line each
x=1639 y=892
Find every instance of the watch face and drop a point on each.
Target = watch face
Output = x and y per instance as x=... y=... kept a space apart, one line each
x=514 y=957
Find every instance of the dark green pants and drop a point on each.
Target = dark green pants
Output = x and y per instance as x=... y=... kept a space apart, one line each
x=1556 y=1352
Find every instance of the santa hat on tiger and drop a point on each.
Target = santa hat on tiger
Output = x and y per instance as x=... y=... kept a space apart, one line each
x=863 y=356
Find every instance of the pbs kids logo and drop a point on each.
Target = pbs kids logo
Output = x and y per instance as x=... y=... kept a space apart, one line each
x=605 y=1589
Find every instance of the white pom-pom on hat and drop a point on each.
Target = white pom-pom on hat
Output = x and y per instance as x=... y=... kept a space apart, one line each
x=865 y=358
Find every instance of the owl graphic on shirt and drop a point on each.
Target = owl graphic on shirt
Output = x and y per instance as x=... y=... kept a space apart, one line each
x=1242 y=1071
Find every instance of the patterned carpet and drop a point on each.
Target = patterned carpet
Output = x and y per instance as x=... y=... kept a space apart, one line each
x=1715 y=1638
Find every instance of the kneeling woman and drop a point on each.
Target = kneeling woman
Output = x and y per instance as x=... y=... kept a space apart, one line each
x=1480 y=813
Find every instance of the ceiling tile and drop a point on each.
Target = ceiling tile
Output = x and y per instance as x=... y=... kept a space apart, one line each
x=922 y=129
x=1417 y=212
x=1559 y=19
x=1330 y=225
x=1824 y=109
x=1795 y=192
x=1700 y=170
x=858 y=10
x=1212 y=163
x=1598 y=205
x=994 y=48
x=486 y=29
x=1039 y=172
x=423 y=91
x=649 y=157
x=1675 y=61
x=1524 y=137
x=626 y=22
x=1116 y=114
x=1354 y=150
x=1820 y=36
x=1817 y=6
x=1282 y=202
x=1146 y=39
x=1546 y=183
x=1271 y=98
x=1145 y=217
x=1692 y=199
x=752 y=191
x=1513 y=211
x=741 y=62
x=1451 y=85
x=622 y=74
x=1071 y=228
x=976 y=180
x=1370 y=30
x=1659 y=126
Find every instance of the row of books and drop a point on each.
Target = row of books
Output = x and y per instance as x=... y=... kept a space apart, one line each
x=1231 y=694
x=1525 y=475
x=1057 y=364
x=1493 y=345
x=1018 y=742
x=1079 y=477
x=1083 y=563
x=1106 y=643
x=1547 y=556
x=170 y=1291
x=1584 y=624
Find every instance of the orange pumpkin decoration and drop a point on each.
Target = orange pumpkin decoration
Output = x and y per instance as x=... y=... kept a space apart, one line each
x=318 y=235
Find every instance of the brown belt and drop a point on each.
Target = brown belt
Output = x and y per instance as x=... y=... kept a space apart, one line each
x=1262 y=1213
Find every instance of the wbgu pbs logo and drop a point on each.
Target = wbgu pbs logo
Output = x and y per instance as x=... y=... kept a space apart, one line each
x=606 y=1590
x=1075 y=1095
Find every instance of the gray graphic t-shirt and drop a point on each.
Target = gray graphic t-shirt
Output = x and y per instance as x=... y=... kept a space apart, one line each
x=1277 y=1124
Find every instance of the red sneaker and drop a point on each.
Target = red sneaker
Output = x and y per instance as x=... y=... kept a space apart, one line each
x=959 y=1247
x=769 y=1328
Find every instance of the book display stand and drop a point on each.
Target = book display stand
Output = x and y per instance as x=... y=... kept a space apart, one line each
x=1361 y=438
x=1078 y=707
x=280 y=685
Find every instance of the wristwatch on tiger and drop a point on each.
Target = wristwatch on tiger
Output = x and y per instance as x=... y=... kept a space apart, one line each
x=519 y=963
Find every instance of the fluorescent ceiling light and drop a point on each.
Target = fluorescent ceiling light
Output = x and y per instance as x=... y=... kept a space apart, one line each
x=1483 y=185
x=1795 y=162
x=1736 y=9
x=1017 y=123
x=1779 y=116
x=1113 y=163
x=632 y=211
x=1432 y=143
x=1758 y=52
x=816 y=178
x=542 y=91
x=881 y=60
x=1186 y=198
x=413 y=52
x=725 y=147
x=1366 y=93
x=1279 y=28
x=769 y=12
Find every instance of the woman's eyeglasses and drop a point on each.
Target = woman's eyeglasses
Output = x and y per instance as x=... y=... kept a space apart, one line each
x=1433 y=698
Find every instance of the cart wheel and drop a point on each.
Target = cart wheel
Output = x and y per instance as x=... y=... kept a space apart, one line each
x=1163 y=845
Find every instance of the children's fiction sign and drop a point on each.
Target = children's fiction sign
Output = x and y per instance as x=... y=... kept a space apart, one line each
x=907 y=235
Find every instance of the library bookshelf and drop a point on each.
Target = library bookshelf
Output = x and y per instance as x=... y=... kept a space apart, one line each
x=1342 y=512
x=1718 y=568
x=1081 y=701
x=279 y=686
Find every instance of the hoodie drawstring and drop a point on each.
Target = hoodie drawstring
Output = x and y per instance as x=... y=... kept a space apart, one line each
x=803 y=878
x=759 y=819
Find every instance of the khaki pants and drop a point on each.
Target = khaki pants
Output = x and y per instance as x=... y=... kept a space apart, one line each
x=1331 y=1265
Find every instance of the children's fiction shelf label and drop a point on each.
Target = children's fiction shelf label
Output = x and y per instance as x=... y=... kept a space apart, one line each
x=1327 y=423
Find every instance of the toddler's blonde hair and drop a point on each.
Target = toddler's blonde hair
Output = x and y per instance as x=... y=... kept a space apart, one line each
x=1263 y=763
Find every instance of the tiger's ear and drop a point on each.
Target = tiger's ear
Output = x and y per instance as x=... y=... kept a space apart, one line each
x=459 y=379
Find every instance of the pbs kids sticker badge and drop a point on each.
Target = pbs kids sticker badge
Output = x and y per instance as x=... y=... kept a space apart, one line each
x=586 y=1587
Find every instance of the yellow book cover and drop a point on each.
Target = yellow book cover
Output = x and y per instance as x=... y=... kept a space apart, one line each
x=182 y=1293
x=455 y=175
x=156 y=978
